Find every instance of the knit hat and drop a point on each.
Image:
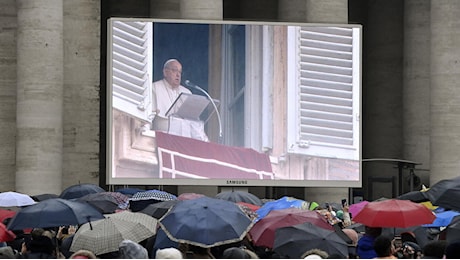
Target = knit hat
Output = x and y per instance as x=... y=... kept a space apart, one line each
x=168 y=253
x=132 y=250
x=7 y=252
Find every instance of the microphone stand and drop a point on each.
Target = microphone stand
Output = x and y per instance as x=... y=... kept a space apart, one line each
x=190 y=84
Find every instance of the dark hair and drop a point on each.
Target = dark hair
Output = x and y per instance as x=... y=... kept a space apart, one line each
x=435 y=249
x=453 y=250
x=382 y=246
x=373 y=231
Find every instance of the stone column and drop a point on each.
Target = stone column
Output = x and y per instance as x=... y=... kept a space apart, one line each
x=445 y=92
x=8 y=32
x=331 y=11
x=167 y=9
x=416 y=86
x=39 y=96
x=202 y=9
x=82 y=37
x=292 y=10
x=382 y=94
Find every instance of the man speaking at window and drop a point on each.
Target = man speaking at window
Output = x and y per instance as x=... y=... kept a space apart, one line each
x=165 y=92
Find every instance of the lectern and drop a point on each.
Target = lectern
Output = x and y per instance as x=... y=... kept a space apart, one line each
x=186 y=116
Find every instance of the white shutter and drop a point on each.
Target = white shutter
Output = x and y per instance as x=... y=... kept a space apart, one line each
x=324 y=86
x=130 y=68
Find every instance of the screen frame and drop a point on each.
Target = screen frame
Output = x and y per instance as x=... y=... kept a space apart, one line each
x=111 y=180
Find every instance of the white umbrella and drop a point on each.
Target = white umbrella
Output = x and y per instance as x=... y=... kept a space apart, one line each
x=15 y=199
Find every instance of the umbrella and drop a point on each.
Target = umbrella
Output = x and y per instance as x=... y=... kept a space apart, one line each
x=249 y=209
x=159 y=209
x=142 y=199
x=163 y=241
x=80 y=190
x=206 y=222
x=453 y=230
x=104 y=235
x=6 y=213
x=282 y=203
x=239 y=196
x=54 y=213
x=102 y=201
x=15 y=199
x=414 y=196
x=189 y=196
x=5 y=234
x=122 y=199
x=263 y=232
x=293 y=241
x=445 y=193
x=355 y=208
x=44 y=196
x=129 y=191
x=443 y=219
x=394 y=213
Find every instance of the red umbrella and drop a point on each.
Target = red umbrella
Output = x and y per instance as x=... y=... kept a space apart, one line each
x=6 y=213
x=394 y=213
x=263 y=232
x=5 y=234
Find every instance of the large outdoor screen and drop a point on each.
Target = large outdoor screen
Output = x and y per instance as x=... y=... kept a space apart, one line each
x=285 y=109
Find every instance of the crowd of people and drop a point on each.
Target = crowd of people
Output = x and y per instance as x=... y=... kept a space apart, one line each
x=363 y=243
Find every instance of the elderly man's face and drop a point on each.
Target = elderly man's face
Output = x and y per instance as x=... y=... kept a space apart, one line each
x=172 y=73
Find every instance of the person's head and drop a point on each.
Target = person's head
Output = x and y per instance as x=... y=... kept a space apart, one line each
x=408 y=236
x=383 y=246
x=131 y=250
x=235 y=253
x=373 y=231
x=434 y=249
x=41 y=244
x=83 y=254
x=168 y=253
x=452 y=250
x=352 y=234
x=315 y=253
x=172 y=72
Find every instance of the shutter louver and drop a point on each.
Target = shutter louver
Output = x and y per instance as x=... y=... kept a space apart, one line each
x=131 y=68
x=326 y=87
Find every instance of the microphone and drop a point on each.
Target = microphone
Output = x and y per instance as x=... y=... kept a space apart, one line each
x=189 y=84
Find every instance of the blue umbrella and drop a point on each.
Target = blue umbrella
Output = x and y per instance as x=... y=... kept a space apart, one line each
x=54 y=213
x=80 y=190
x=282 y=203
x=443 y=219
x=206 y=222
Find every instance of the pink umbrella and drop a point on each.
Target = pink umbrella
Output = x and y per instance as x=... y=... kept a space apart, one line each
x=190 y=196
x=354 y=209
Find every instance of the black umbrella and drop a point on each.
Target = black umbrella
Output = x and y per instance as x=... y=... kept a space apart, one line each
x=453 y=230
x=445 y=193
x=80 y=190
x=157 y=210
x=414 y=196
x=239 y=196
x=293 y=241
x=44 y=196
x=54 y=213
x=102 y=201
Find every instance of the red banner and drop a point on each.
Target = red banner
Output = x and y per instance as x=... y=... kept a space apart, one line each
x=182 y=157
